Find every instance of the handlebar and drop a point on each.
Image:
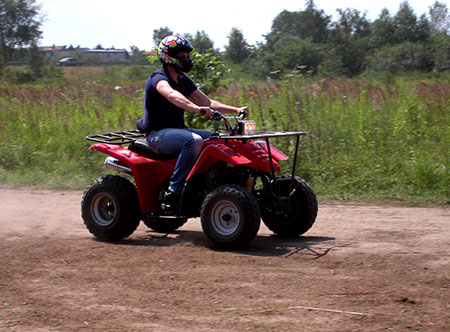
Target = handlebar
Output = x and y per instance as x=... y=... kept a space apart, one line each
x=217 y=115
x=243 y=115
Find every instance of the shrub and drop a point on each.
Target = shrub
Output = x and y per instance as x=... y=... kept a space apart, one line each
x=401 y=58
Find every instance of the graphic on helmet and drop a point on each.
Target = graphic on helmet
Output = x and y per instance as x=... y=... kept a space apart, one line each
x=168 y=51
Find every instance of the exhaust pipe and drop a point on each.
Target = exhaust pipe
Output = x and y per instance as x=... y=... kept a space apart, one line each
x=113 y=165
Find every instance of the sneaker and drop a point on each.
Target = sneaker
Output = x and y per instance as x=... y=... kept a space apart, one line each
x=172 y=201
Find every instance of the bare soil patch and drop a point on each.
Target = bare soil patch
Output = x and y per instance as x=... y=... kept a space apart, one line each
x=360 y=268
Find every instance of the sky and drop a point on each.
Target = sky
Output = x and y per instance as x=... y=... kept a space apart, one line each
x=121 y=24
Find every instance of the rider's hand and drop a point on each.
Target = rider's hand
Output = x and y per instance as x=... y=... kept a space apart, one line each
x=244 y=109
x=206 y=111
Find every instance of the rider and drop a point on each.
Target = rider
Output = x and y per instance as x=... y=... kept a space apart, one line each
x=168 y=93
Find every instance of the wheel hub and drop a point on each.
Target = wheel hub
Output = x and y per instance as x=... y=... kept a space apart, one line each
x=104 y=209
x=226 y=218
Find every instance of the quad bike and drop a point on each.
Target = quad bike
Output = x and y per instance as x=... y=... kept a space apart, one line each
x=232 y=186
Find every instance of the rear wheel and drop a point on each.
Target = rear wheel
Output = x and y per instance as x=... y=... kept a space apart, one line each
x=288 y=206
x=110 y=208
x=230 y=216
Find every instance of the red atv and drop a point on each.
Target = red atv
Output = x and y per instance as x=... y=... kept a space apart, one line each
x=231 y=187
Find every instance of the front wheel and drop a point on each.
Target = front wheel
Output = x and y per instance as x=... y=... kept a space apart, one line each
x=110 y=208
x=288 y=206
x=230 y=217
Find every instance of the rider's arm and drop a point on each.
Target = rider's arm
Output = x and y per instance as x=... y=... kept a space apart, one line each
x=199 y=98
x=177 y=98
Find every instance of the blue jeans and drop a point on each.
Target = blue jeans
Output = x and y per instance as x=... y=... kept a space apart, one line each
x=187 y=143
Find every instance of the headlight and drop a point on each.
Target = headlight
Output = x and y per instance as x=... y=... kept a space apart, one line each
x=247 y=127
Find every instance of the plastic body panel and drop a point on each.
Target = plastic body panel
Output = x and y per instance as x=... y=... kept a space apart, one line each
x=150 y=175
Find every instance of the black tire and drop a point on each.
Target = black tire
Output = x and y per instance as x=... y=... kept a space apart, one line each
x=110 y=208
x=164 y=225
x=288 y=206
x=230 y=217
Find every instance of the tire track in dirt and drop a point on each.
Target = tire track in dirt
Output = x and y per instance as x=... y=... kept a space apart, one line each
x=362 y=267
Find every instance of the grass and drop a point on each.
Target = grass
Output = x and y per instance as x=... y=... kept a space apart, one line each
x=379 y=140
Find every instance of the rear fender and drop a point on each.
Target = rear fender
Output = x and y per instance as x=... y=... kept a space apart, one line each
x=148 y=174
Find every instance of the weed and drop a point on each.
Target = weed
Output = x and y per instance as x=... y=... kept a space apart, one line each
x=367 y=139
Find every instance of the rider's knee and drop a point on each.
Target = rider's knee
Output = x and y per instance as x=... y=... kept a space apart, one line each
x=195 y=142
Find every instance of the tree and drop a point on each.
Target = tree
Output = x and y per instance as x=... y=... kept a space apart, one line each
x=407 y=28
x=35 y=60
x=439 y=19
x=402 y=57
x=352 y=24
x=440 y=32
x=200 y=42
x=137 y=56
x=383 y=30
x=159 y=34
x=350 y=42
x=284 y=24
x=299 y=55
x=331 y=64
x=441 y=54
x=237 y=50
x=259 y=63
x=134 y=50
x=423 y=30
x=311 y=24
x=19 y=25
x=207 y=73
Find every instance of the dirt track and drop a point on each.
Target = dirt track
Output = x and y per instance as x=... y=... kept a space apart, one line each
x=360 y=268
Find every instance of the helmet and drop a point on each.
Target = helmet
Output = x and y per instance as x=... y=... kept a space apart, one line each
x=169 y=48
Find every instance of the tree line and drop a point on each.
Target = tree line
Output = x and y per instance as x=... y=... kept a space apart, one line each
x=305 y=42
x=309 y=42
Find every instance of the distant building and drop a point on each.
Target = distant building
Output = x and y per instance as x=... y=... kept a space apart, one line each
x=60 y=51
x=54 y=51
x=109 y=55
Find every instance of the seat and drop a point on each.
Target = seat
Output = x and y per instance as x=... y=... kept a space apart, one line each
x=140 y=146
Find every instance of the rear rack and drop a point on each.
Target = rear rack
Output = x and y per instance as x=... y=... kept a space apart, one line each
x=116 y=137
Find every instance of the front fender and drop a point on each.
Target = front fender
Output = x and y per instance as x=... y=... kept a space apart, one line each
x=277 y=155
x=217 y=152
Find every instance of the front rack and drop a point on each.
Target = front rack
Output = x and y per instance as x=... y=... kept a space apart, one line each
x=117 y=137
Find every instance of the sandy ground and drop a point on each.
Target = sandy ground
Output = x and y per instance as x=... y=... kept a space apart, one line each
x=360 y=268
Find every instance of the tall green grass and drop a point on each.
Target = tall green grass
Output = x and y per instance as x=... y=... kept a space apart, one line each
x=43 y=130
x=368 y=139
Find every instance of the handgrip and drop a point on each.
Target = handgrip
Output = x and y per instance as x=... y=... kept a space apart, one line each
x=243 y=114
